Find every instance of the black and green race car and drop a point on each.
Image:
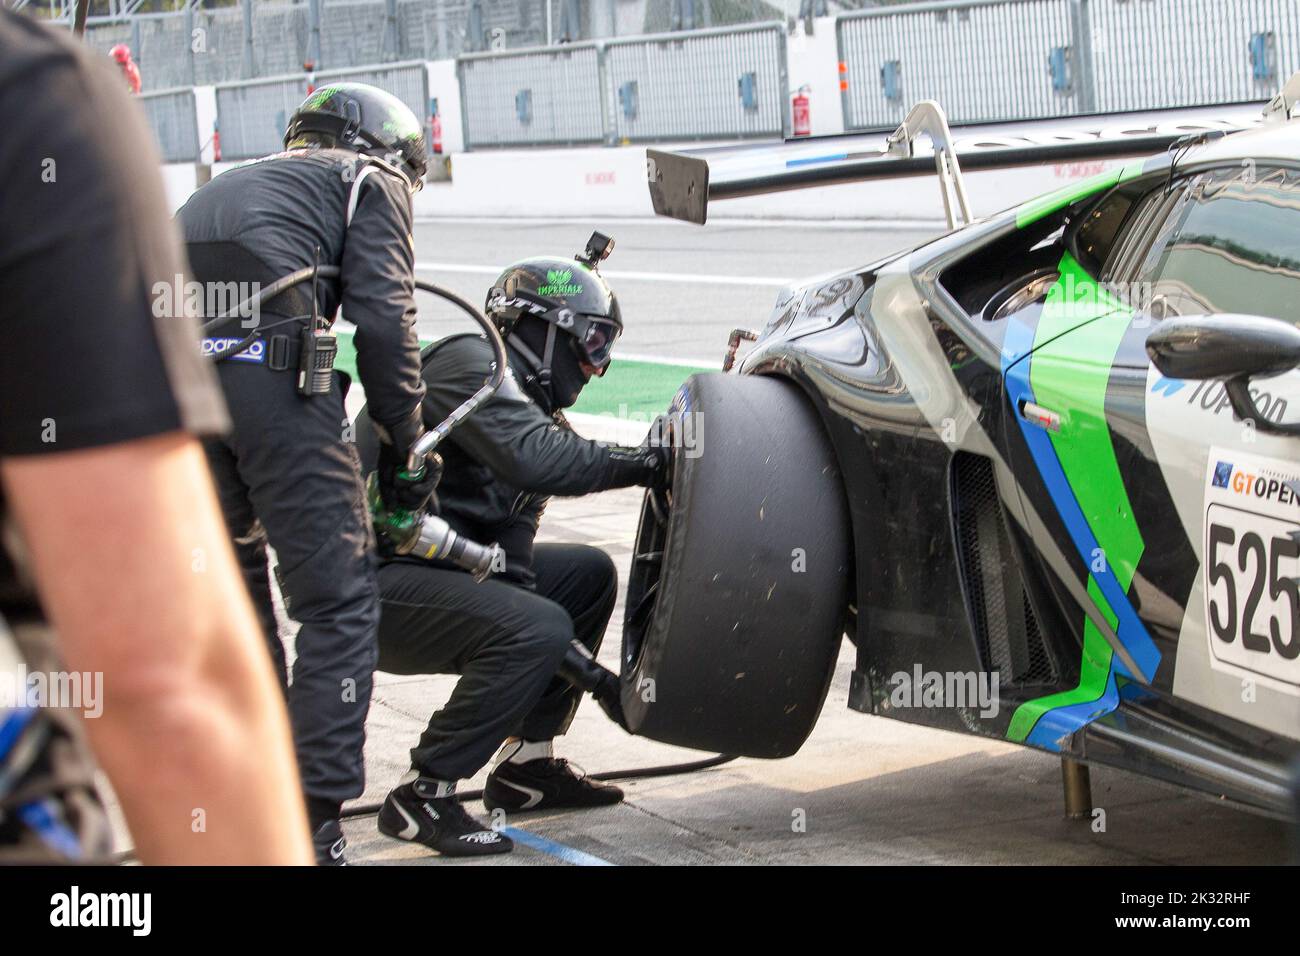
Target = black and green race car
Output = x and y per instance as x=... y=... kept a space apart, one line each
x=1044 y=472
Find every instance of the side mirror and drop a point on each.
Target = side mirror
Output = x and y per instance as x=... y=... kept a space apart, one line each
x=1235 y=348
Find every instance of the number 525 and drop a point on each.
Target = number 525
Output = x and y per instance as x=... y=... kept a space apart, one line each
x=1267 y=555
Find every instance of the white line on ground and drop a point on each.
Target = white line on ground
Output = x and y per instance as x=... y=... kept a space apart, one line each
x=876 y=225
x=714 y=365
x=609 y=428
x=618 y=274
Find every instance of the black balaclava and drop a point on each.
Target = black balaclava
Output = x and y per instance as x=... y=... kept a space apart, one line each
x=567 y=378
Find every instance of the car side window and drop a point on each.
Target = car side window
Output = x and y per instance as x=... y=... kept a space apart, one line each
x=1234 y=246
x=1144 y=228
x=1100 y=231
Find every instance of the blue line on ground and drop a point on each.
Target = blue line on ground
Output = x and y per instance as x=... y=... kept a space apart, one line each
x=558 y=850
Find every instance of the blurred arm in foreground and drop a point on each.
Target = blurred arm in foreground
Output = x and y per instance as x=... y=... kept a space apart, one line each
x=106 y=502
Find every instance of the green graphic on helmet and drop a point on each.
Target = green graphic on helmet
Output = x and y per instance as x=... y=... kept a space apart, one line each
x=319 y=98
x=364 y=118
x=558 y=283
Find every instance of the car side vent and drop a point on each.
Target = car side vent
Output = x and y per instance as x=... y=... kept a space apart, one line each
x=1006 y=630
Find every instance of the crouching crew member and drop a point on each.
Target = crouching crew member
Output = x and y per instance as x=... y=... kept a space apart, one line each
x=507 y=636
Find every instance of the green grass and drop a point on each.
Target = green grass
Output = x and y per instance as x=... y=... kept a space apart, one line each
x=645 y=387
x=633 y=387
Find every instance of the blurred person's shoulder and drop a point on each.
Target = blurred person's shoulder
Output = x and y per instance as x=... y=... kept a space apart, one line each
x=90 y=261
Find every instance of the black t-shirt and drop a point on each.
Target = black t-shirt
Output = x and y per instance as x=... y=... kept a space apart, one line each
x=90 y=354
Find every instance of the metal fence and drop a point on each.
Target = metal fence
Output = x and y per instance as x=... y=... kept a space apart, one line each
x=991 y=60
x=172 y=117
x=265 y=38
x=982 y=61
x=252 y=114
x=550 y=96
x=1149 y=54
x=727 y=82
x=707 y=84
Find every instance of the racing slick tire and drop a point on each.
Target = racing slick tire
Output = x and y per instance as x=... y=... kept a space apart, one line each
x=740 y=577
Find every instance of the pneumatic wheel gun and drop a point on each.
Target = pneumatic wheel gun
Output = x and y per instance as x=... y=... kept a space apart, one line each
x=428 y=536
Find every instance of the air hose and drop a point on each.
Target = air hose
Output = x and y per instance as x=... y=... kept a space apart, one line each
x=635 y=773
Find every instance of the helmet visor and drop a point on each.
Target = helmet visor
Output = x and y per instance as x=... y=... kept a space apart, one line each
x=597 y=341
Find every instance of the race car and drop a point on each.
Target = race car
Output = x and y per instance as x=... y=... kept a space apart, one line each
x=1043 y=471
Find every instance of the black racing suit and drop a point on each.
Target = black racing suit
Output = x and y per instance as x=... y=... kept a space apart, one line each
x=507 y=635
x=288 y=474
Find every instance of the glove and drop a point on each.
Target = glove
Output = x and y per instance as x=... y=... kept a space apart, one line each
x=657 y=453
x=607 y=694
x=580 y=669
x=402 y=491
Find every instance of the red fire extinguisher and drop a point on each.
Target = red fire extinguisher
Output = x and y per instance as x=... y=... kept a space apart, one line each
x=802 y=114
x=435 y=125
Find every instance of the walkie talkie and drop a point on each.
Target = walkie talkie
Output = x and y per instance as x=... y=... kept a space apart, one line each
x=317 y=348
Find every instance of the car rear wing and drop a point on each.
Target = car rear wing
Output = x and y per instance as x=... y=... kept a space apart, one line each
x=683 y=184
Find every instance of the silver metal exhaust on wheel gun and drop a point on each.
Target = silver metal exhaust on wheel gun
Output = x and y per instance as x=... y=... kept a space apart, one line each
x=429 y=536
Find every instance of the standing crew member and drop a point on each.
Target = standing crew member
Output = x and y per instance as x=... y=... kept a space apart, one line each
x=288 y=474
x=508 y=635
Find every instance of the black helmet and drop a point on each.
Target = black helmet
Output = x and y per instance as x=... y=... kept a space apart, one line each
x=365 y=118
x=570 y=295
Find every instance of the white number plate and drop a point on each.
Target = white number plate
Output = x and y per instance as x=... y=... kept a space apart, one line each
x=1252 y=567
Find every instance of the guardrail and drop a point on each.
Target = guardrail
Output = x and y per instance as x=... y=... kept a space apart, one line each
x=172 y=116
x=704 y=84
x=252 y=114
x=995 y=60
x=268 y=38
x=1154 y=54
x=546 y=95
x=983 y=61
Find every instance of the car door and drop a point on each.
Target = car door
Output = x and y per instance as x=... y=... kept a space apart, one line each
x=1191 y=573
x=1075 y=471
x=1234 y=249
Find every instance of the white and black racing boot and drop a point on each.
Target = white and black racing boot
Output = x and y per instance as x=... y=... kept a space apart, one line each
x=329 y=844
x=426 y=811
x=528 y=777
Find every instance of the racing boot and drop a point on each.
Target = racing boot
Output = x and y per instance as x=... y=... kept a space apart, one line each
x=329 y=843
x=426 y=811
x=544 y=782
